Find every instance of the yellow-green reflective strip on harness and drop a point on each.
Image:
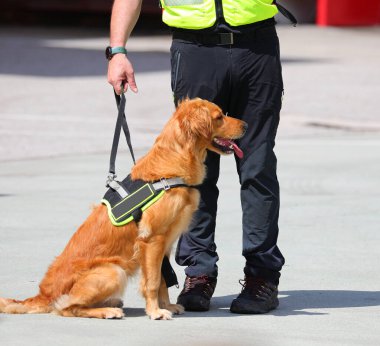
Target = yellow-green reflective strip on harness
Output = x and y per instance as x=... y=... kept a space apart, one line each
x=132 y=202
x=148 y=202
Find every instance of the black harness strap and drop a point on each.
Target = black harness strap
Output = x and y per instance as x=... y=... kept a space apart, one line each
x=287 y=14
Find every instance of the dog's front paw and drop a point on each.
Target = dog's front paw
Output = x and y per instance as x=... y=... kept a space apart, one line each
x=160 y=314
x=176 y=309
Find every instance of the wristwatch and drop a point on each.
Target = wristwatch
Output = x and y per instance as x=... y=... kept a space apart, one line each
x=111 y=51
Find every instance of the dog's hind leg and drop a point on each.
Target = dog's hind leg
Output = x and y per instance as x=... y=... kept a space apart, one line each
x=95 y=287
x=112 y=303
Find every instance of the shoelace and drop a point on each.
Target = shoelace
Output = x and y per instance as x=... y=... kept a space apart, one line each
x=256 y=287
x=202 y=281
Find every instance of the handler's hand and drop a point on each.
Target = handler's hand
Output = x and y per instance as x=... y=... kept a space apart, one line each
x=120 y=73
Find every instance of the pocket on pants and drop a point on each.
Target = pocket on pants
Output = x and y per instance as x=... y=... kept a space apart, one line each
x=175 y=64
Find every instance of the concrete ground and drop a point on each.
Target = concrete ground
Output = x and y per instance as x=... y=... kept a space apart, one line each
x=56 y=124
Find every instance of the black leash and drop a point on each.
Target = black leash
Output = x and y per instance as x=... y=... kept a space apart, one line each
x=121 y=123
x=286 y=13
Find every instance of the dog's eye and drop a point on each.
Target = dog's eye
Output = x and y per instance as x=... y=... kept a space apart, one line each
x=219 y=117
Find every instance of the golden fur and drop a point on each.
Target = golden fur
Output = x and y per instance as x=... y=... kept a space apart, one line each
x=88 y=278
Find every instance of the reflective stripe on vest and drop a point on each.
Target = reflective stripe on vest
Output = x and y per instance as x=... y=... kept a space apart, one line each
x=201 y=14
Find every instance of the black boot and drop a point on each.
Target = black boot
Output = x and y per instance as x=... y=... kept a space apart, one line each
x=257 y=296
x=197 y=292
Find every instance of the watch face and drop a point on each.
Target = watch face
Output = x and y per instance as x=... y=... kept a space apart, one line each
x=108 y=53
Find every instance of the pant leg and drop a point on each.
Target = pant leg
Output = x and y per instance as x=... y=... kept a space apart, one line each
x=256 y=99
x=199 y=71
x=196 y=249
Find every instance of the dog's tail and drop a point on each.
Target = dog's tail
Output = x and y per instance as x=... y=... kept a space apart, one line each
x=34 y=305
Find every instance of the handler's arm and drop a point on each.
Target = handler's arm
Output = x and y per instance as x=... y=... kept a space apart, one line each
x=123 y=19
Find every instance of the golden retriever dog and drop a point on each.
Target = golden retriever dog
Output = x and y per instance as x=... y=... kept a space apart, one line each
x=89 y=277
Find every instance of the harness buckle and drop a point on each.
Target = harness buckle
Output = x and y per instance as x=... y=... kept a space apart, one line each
x=165 y=184
x=110 y=178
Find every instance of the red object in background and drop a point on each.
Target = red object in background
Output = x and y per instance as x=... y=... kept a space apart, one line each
x=348 y=12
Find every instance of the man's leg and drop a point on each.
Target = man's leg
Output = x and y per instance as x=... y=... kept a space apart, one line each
x=259 y=105
x=194 y=75
x=196 y=249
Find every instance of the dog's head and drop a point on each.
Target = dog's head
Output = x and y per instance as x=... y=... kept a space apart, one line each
x=203 y=124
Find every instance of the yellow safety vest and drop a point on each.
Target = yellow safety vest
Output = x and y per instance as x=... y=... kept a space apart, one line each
x=201 y=14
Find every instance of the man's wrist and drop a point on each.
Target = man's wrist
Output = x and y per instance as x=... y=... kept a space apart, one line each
x=111 y=51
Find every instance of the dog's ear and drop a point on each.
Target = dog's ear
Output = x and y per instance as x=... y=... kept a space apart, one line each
x=194 y=119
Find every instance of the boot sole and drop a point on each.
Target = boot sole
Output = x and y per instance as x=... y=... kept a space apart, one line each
x=194 y=304
x=239 y=307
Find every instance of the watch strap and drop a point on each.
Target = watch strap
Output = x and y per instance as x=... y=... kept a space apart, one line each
x=116 y=50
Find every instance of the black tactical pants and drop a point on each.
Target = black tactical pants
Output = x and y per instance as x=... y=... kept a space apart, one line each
x=245 y=80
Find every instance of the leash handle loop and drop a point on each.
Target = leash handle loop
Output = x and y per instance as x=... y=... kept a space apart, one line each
x=121 y=123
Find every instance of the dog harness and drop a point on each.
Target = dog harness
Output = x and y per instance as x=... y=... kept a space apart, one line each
x=126 y=200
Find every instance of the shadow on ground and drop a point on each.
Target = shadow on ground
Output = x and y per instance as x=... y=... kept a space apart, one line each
x=291 y=303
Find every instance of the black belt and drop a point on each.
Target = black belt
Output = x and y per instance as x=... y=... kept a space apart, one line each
x=222 y=38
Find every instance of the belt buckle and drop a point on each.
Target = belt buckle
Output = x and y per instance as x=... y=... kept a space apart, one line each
x=225 y=38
